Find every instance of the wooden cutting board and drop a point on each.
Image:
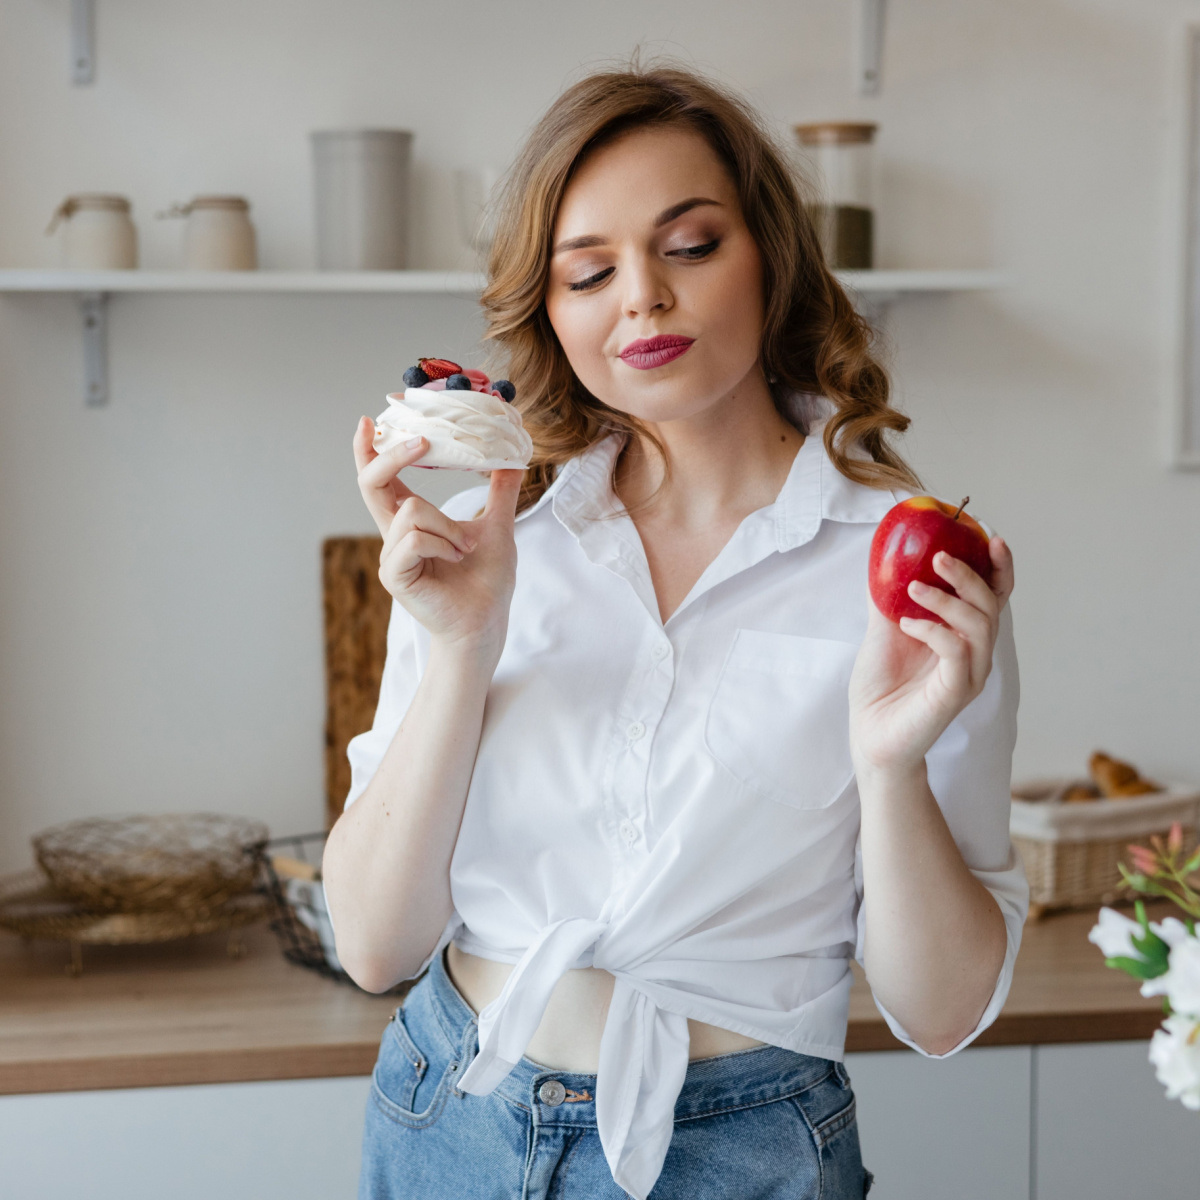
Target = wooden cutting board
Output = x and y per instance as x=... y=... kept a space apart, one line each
x=357 y=608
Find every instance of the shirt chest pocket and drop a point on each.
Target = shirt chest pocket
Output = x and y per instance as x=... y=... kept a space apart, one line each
x=780 y=715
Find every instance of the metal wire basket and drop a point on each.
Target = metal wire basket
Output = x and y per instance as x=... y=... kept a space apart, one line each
x=289 y=871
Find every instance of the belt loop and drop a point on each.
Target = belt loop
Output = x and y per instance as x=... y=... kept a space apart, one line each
x=842 y=1074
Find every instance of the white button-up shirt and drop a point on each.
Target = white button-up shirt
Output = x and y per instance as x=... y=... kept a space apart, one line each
x=676 y=802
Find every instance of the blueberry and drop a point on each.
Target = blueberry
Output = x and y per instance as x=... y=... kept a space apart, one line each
x=506 y=389
x=458 y=383
x=415 y=377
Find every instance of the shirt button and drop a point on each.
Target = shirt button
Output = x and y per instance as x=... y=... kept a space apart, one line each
x=635 y=731
x=661 y=650
x=629 y=831
x=552 y=1093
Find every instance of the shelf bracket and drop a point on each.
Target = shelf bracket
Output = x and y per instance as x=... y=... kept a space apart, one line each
x=83 y=42
x=870 y=46
x=94 y=308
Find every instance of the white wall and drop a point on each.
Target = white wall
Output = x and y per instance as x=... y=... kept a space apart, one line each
x=159 y=588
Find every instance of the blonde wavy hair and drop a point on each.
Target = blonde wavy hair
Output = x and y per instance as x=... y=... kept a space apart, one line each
x=813 y=340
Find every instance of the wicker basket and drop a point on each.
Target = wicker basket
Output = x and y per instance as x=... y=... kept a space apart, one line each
x=152 y=862
x=1071 y=850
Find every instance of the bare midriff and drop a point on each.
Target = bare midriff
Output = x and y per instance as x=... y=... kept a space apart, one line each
x=568 y=1039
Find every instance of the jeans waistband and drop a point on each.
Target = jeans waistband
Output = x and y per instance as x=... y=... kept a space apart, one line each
x=723 y=1083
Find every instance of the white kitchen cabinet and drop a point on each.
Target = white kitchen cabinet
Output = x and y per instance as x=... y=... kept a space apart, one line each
x=1104 y=1129
x=945 y=1129
x=296 y=1139
x=1086 y=1121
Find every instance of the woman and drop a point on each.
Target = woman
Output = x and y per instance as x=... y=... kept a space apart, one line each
x=648 y=766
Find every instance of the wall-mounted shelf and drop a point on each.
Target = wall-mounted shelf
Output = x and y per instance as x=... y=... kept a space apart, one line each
x=64 y=280
x=894 y=284
x=875 y=290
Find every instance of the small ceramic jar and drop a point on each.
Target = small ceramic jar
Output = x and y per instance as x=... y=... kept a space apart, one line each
x=218 y=235
x=98 y=233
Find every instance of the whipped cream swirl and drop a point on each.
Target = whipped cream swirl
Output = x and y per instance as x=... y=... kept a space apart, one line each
x=466 y=430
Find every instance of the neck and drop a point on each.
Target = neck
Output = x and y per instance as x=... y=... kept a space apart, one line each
x=724 y=462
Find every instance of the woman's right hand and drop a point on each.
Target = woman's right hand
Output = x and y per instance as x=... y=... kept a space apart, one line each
x=455 y=577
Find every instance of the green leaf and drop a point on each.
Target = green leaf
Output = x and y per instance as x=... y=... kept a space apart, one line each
x=1133 y=966
x=1155 y=951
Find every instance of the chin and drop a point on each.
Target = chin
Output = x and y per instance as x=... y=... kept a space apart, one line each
x=656 y=397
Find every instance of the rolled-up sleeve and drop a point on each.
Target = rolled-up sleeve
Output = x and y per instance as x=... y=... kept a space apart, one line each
x=970 y=776
x=396 y=690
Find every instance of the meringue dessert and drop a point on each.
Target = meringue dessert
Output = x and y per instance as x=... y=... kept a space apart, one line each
x=467 y=418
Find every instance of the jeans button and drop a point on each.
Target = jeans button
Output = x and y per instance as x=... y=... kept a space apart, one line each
x=552 y=1093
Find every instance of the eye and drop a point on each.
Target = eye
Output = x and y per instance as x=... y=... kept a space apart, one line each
x=691 y=253
x=591 y=281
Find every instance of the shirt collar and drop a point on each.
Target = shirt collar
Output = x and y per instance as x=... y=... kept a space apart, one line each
x=815 y=490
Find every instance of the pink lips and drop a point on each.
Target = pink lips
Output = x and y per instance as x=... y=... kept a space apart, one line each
x=647 y=353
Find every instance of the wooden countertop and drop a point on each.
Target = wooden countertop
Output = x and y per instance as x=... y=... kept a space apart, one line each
x=186 y=1012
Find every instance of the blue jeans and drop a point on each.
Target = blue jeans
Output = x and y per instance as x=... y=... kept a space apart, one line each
x=760 y=1124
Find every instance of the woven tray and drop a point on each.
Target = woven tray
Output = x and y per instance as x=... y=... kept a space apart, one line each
x=30 y=905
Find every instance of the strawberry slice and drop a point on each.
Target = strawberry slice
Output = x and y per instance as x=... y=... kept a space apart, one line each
x=439 y=368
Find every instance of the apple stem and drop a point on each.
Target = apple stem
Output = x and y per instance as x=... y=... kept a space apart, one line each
x=963 y=505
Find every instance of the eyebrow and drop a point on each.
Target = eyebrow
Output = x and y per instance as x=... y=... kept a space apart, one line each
x=664 y=218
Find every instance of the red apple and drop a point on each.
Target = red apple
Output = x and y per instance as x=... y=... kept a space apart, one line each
x=902 y=550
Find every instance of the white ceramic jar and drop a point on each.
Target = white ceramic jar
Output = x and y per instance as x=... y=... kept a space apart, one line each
x=218 y=235
x=98 y=232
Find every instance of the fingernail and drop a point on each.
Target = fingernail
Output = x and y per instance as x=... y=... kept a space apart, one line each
x=917 y=586
x=412 y=443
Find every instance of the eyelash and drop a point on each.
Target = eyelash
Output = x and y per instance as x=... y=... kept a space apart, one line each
x=688 y=253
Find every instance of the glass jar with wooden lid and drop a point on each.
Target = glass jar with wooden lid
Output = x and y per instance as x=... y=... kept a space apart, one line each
x=843 y=154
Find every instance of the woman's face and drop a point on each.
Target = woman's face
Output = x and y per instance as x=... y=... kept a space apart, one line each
x=655 y=287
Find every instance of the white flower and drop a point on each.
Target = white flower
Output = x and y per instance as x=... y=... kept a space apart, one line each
x=1181 y=983
x=1172 y=931
x=1175 y=1053
x=1113 y=934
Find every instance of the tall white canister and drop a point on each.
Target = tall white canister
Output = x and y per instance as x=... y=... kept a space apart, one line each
x=98 y=232
x=362 y=181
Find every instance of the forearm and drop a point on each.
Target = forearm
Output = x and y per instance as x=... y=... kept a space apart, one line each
x=934 y=936
x=386 y=863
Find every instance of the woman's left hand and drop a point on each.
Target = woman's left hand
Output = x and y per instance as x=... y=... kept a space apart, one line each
x=911 y=680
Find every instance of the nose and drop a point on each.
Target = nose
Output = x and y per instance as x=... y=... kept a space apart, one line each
x=646 y=287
